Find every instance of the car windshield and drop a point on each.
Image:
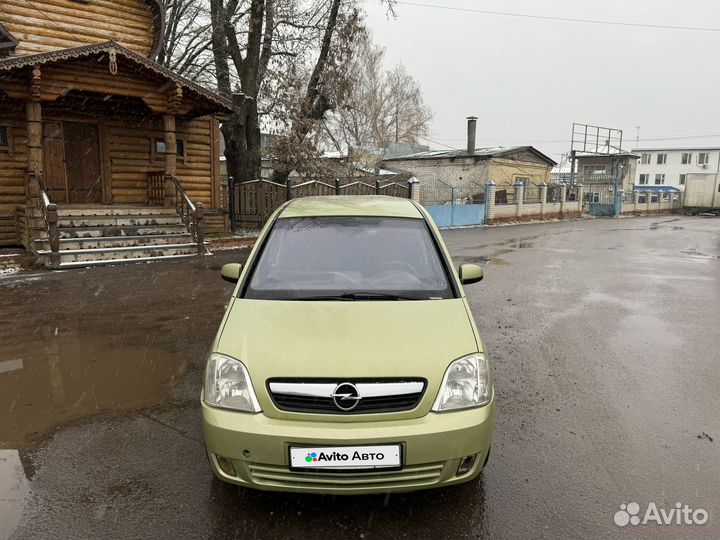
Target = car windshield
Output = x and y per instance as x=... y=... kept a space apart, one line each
x=349 y=258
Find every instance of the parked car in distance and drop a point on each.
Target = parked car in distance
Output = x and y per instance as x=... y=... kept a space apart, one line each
x=348 y=361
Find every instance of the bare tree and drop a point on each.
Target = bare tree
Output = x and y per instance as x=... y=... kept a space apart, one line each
x=326 y=88
x=383 y=106
x=259 y=48
x=290 y=59
x=187 y=40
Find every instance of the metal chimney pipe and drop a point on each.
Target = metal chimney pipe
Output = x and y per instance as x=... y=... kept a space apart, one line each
x=472 y=130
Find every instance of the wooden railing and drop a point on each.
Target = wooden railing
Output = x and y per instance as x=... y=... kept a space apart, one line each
x=50 y=216
x=156 y=188
x=191 y=214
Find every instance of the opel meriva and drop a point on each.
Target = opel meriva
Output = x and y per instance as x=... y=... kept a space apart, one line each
x=348 y=361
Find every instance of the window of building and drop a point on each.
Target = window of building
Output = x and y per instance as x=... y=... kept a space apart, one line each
x=594 y=169
x=159 y=149
x=6 y=140
x=644 y=178
x=654 y=197
x=659 y=179
x=642 y=198
x=703 y=158
x=686 y=158
x=683 y=177
x=645 y=159
x=661 y=159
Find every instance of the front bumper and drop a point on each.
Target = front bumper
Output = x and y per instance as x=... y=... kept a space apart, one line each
x=257 y=447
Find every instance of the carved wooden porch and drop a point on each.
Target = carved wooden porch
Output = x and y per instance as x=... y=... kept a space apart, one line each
x=100 y=131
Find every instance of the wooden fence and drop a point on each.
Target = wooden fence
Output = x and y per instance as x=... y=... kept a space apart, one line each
x=256 y=200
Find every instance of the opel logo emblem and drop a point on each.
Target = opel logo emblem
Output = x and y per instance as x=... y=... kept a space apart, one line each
x=346 y=396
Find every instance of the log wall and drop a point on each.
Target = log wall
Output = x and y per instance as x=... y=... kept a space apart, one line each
x=45 y=25
x=13 y=171
x=131 y=158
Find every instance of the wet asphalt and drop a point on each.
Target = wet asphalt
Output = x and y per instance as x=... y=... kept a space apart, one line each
x=606 y=350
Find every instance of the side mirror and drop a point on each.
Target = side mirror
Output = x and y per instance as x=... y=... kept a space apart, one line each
x=231 y=272
x=470 y=273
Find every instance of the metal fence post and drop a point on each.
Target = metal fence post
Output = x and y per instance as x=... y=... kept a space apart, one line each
x=337 y=186
x=288 y=192
x=231 y=203
x=377 y=187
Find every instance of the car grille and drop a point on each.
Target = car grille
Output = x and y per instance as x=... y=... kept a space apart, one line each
x=410 y=477
x=311 y=396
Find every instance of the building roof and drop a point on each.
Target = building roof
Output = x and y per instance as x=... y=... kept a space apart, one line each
x=351 y=205
x=686 y=149
x=482 y=153
x=664 y=189
x=61 y=55
x=7 y=41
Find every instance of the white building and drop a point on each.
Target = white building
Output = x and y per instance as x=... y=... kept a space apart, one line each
x=670 y=166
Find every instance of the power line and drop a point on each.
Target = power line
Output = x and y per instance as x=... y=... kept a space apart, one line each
x=644 y=139
x=562 y=19
x=436 y=142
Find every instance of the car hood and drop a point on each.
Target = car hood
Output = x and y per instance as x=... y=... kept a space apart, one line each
x=347 y=340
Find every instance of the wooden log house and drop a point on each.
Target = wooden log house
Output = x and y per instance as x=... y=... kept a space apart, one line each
x=105 y=155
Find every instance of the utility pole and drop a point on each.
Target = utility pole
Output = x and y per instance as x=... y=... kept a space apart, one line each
x=637 y=136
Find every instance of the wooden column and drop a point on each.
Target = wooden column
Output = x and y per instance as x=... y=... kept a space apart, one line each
x=215 y=162
x=170 y=144
x=34 y=124
x=170 y=157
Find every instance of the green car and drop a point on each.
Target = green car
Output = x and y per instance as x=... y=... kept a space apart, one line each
x=348 y=361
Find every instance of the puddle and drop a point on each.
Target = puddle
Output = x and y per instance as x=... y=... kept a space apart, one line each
x=697 y=254
x=655 y=225
x=482 y=259
x=43 y=387
x=47 y=386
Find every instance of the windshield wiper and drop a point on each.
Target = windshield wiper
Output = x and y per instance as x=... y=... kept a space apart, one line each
x=351 y=296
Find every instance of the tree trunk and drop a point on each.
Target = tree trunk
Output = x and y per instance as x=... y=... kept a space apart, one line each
x=316 y=101
x=242 y=131
x=242 y=140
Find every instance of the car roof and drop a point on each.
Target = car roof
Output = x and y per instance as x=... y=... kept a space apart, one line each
x=351 y=205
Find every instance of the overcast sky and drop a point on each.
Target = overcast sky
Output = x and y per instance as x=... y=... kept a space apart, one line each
x=528 y=80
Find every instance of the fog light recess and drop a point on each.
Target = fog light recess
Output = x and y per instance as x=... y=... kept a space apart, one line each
x=225 y=465
x=466 y=465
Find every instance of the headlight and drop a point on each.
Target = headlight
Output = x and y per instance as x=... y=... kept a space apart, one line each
x=228 y=385
x=466 y=385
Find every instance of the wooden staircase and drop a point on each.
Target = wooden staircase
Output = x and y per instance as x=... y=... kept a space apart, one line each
x=100 y=235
